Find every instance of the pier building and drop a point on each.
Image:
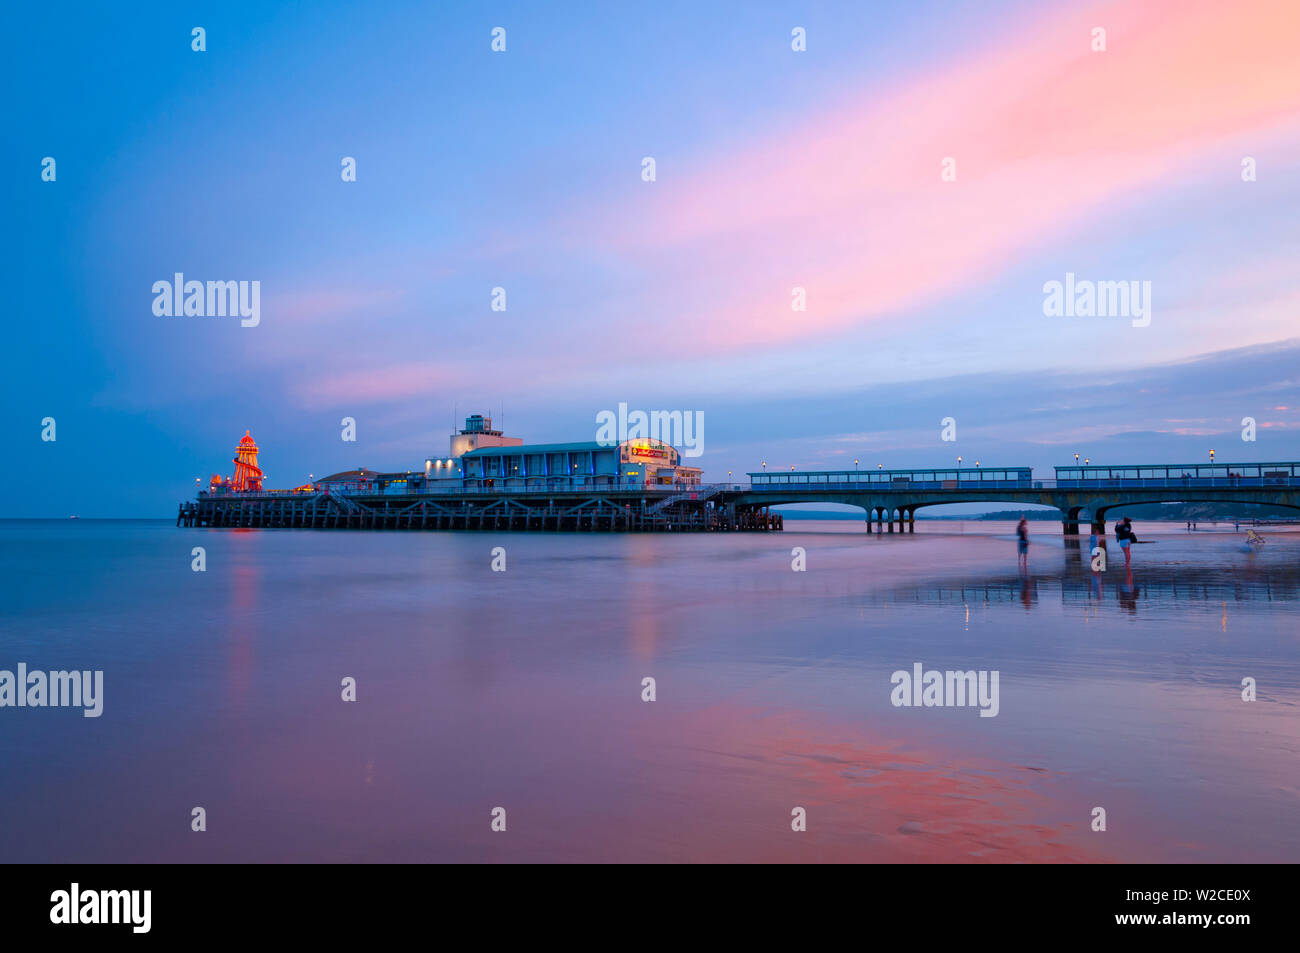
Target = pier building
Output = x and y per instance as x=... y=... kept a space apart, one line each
x=576 y=465
x=481 y=457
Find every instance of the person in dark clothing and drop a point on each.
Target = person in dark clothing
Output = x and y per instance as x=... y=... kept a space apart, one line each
x=1124 y=533
x=1022 y=542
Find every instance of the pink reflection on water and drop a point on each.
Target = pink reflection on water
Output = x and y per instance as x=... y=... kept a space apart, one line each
x=631 y=781
x=245 y=580
x=868 y=799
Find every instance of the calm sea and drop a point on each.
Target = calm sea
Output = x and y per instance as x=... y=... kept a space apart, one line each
x=523 y=689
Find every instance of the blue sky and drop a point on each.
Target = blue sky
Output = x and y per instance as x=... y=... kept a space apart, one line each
x=522 y=169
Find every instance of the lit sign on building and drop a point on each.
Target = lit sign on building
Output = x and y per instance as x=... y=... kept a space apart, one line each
x=637 y=452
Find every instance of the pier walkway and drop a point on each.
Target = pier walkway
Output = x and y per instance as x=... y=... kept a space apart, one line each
x=1083 y=493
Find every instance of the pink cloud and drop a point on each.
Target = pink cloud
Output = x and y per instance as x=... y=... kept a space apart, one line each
x=1044 y=132
x=849 y=202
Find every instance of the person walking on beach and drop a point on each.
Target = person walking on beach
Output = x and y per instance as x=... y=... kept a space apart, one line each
x=1022 y=543
x=1124 y=533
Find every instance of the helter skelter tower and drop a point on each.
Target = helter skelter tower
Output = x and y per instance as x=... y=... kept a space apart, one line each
x=248 y=475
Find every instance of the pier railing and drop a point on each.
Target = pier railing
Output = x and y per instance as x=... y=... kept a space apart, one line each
x=906 y=486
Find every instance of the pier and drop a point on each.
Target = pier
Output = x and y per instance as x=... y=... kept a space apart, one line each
x=644 y=488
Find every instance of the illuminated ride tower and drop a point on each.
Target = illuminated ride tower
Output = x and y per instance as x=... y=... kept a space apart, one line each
x=248 y=475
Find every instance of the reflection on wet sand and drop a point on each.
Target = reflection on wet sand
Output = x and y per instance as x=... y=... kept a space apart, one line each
x=868 y=799
x=1129 y=587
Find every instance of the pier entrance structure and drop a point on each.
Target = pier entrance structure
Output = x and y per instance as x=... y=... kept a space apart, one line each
x=1082 y=493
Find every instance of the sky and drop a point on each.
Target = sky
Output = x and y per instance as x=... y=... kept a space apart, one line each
x=822 y=169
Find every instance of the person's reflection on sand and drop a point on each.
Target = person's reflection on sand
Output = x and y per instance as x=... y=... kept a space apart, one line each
x=1028 y=591
x=1128 y=592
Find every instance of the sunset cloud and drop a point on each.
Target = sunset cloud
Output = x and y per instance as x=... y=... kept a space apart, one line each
x=1044 y=132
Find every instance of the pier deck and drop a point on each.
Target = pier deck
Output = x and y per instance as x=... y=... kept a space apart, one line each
x=672 y=509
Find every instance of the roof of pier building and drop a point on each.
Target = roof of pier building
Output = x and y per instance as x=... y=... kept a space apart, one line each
x=349 y=476
x=529 y=448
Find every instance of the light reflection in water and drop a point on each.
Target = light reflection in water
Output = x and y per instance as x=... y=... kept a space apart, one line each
x=1120 y=688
